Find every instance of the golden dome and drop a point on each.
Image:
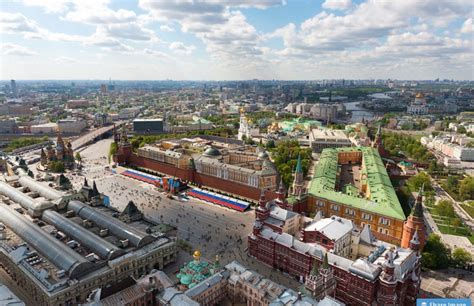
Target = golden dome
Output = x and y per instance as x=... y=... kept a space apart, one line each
x=420 y=95
x=197 y=254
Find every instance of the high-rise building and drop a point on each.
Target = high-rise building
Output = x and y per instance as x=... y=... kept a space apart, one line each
x=14 y=88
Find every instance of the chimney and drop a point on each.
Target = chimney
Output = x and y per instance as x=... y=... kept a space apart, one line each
x=299 y=296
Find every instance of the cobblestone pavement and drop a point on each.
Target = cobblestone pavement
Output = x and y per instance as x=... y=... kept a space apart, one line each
x=210 y=228
x=454 y=283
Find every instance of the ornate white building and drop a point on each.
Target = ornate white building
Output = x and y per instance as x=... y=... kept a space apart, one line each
x=418 y=107
x=246 y=128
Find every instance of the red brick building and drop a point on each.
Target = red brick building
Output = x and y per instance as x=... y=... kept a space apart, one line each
x=187 y=173
x=393 y=278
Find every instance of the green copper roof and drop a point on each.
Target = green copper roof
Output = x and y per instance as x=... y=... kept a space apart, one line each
x=383 y=199
x=301 y=123
x=194 y=272
x=299 y=166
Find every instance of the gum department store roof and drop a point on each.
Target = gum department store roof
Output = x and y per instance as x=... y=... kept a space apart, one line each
x=383 y=200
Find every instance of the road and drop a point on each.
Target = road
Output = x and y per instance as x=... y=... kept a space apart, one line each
x=210 y=228
x=87 y=138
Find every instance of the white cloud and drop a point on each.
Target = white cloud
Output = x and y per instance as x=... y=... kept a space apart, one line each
x=105 y=35
x=11 y=23
x=180 y=48
x=227 y=34
x=49 y=6
x=131 y=31
x=100 y=15
x=166 y=28
x=17 y=23
x=156 y=53
x=14 y=49
x=337 y=4
x=362 y=39
x=467 y=26
x=84 y=11
x=65 y=60
x=367 y=23
x=101 y=39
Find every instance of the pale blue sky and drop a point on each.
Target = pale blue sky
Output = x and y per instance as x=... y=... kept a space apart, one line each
x=236 y=39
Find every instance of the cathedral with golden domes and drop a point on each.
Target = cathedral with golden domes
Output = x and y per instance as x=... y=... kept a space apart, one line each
x=247 y=129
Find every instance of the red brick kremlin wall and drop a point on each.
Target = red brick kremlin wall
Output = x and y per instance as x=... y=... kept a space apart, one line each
x=200 y=180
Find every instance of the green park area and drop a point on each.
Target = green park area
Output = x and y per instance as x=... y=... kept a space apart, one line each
x=22 y=142
x=469 y=208
x=448 y=221
x=436 y=255
x=459 y=188
x=285 y=156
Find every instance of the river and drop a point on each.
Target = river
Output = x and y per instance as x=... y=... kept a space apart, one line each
x=358 y=112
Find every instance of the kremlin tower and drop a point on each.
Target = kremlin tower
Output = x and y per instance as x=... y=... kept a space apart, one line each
x=415 y=224
x=124 y=148
x=321 y=282
x=281 y=198
x=298 y=182
x=378 y=143
x=387 y=292
x=262 y=212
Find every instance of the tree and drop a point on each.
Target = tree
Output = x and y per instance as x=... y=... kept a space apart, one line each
x=445 y=208
x=452 y=182
x=415 y=182
x=461 y=129
x=78 y=157
x=435 y=254
x=285 y=156
x=429 y=200
x=57 y=166
x=112 y=150
x=270 y=144
x=466 y=188
x=456 y=222
x=461 y=257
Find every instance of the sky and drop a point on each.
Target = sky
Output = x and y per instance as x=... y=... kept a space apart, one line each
x=236 y=39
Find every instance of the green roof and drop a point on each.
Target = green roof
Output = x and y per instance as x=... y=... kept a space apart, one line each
x=383 y=199
x=290 y=125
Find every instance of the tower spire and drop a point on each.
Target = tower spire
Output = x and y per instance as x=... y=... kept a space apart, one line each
x=299 y=167
x=298 y=182
x=262 y=201
x=415 y=241
x=417 y=210
x=325 y=261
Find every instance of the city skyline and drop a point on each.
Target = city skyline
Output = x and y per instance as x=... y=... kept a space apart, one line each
x=236 y=40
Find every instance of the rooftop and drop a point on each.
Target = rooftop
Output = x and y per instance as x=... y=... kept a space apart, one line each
x=325 y=134
x=333 y=228
x=383 y=199
x=147 y=119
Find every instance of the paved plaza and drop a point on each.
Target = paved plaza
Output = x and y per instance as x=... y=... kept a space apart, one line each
x=212 y=229
x=453 y=283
